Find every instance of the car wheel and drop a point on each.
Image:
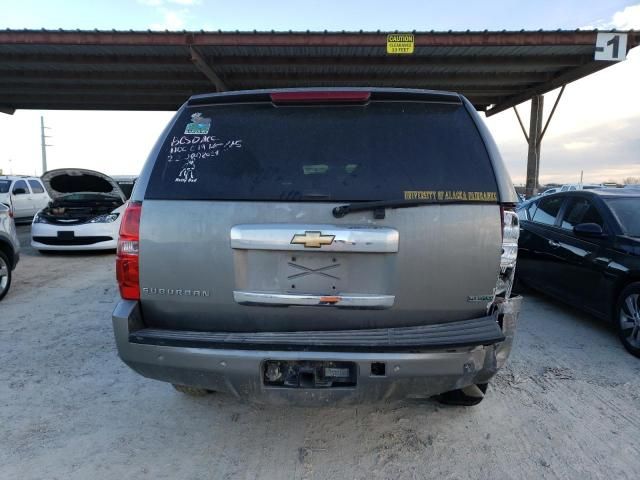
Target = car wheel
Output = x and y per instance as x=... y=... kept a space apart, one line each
x=192 y=391
x=464 y=397
x=5 y=275
x=628 y=318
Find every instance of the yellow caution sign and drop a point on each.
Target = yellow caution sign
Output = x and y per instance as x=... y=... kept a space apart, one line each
x=400 y=43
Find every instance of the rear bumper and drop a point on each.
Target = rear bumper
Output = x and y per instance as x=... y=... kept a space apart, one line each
x=417 y=372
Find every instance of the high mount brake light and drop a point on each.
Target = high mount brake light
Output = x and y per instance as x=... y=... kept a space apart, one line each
x=127 y=258
x=320 y=97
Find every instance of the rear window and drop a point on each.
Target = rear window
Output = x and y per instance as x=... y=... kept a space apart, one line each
x=382 y=151
x=36 y=186
x=581 y=210
x=5 y=185
x=627 y=211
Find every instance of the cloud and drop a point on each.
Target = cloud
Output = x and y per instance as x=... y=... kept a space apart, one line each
x=185 y=2
x=578 y=145
x=627 y=19
x=605 y=151
x=172 y=20
x=160 y=3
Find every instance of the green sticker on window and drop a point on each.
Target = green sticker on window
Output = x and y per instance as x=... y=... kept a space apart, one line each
x=315 y=169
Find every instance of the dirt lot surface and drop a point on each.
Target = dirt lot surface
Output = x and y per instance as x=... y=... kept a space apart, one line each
x=567 y=405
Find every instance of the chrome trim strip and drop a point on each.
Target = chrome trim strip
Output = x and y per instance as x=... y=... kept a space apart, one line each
x=364 y=300
x=278 y=236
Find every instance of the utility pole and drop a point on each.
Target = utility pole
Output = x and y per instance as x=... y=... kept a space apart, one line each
x=43 y=143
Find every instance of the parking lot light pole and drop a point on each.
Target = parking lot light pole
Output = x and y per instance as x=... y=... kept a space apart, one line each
x=43 y=144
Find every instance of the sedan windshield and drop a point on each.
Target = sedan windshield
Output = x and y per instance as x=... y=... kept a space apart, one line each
x=627 y=210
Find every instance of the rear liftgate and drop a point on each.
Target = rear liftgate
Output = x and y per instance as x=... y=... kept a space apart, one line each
x=316 y=265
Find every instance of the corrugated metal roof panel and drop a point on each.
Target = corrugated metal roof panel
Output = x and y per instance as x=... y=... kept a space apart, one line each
x=149 y=70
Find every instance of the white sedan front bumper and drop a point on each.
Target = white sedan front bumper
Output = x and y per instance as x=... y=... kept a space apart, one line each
x=88 y=236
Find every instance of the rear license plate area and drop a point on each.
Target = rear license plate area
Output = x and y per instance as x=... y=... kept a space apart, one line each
x=317 y=273
x=308 y=374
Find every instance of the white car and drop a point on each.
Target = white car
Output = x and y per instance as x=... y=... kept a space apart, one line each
x=569 y=187
x=84 y=213
x=26 y=195
x=549 y=191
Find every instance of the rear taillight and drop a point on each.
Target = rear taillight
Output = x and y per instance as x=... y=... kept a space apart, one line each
x=127 y=258
x=510 y=234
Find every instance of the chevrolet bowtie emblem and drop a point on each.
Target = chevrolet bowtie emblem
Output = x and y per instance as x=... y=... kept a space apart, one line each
x=312 y=239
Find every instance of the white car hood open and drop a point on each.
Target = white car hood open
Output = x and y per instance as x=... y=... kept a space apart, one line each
x=64 y=181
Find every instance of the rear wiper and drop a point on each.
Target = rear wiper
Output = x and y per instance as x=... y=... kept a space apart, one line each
x=379 y=206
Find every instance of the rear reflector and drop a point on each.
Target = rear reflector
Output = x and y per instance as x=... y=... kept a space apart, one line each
x=320 y=97
x=127 y=258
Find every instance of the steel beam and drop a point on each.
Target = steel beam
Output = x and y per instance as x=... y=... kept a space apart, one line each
x=202 y=65
x=558 y=81
x=6 y=109
x=326 y=39
x=512 y=61
x=533 y=156
x=115 y=90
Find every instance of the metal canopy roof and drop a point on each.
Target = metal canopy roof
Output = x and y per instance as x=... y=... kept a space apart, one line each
x=128 y=70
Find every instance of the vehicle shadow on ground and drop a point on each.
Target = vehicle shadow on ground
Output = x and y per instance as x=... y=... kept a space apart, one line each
x=568 y=311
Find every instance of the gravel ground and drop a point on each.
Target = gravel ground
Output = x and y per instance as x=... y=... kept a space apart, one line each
x=567 y=405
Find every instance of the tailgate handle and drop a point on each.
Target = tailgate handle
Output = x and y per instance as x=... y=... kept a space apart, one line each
x=314 y=237
x=364 y=300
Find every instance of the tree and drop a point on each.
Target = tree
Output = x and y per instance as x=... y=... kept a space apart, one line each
x=631 y=180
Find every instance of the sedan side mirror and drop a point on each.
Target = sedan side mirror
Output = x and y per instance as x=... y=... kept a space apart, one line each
x=588 y=230
x=19 y=191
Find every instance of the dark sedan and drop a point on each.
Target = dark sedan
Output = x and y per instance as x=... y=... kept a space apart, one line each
x=583 y=248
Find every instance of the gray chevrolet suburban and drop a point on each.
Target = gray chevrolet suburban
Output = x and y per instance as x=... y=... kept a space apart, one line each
x=320 y=246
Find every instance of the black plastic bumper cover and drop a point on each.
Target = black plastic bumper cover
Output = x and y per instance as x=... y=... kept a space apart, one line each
x=477 y=331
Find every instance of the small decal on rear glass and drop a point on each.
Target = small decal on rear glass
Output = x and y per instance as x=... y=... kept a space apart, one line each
x=188 y=172
x=315 y=169
x=448 y=195
x=199 y=125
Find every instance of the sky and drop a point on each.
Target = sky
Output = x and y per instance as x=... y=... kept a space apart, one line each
x=595 y=127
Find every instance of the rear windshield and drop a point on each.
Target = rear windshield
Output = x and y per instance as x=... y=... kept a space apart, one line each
x=382 y=151
x=627 y=210
x=4 y=186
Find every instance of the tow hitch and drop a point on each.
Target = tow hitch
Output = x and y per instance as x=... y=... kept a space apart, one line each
x=308 y=374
